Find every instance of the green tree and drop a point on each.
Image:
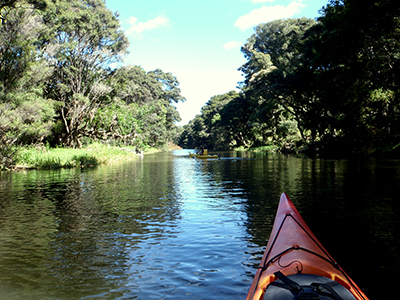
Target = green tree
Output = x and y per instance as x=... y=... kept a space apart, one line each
x=272 y=78
x=85 y=40
x=152 y=94
x=25 y=115
x=215 y=134
x=193 y=133
x=163 y=128
x=335 y=79
x=353 y=54
x=120 y=122
x=208 y=130
x=20 y=64
x=20 y=29
x=234 y=122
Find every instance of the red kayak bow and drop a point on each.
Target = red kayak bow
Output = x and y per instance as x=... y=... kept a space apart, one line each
x=295 y=265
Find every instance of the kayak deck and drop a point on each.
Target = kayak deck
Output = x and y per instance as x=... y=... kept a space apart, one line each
x=293 y=250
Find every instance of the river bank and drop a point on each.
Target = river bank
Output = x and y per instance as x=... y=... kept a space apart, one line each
x=89 y=156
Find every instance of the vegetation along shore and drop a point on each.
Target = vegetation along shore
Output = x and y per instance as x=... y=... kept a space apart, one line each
x=59 y=88
x=326 y=86
x=88 y=156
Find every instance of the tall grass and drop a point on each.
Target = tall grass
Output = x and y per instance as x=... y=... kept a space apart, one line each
x=53 y=158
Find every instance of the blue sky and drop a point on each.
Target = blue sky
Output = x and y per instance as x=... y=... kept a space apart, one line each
x=199 y=41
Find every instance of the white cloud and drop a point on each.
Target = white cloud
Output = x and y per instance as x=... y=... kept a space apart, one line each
x=267 y=14
x=139 y=27
x=231 y=45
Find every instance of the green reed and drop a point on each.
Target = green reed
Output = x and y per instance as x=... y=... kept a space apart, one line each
x=54 y=158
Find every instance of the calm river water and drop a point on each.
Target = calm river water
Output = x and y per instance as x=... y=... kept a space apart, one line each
x=170 y=227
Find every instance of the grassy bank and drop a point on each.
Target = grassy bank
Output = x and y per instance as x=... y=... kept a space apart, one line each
x=92 y=155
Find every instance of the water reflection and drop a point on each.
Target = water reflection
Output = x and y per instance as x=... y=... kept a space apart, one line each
x=170 y=227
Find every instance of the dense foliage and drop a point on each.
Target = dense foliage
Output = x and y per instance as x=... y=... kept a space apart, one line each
x=329 y=85
x=57 y=84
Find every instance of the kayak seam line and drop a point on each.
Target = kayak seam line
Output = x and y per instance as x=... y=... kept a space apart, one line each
x=278 y=256
x=315 y=241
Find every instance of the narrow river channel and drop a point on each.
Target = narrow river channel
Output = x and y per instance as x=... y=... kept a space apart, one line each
x=170 y=227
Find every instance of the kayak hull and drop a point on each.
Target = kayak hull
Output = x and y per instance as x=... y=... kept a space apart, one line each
x=206 y=156
x=294 y=250
x=202 y=156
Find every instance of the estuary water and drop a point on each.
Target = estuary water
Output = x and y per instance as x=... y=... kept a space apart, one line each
x=170 y=227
